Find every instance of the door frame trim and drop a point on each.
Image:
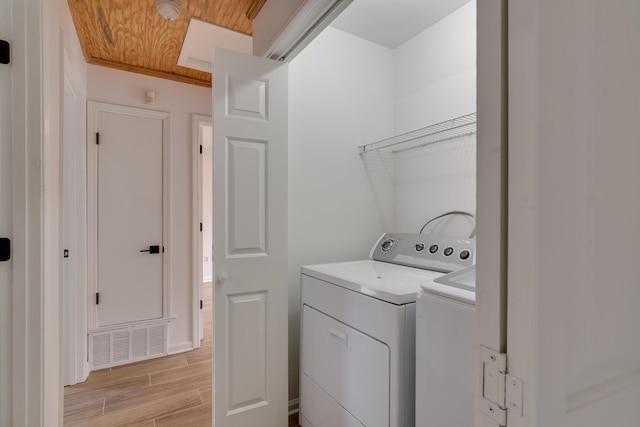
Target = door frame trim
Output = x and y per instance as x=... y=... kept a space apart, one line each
x=197 y=121
x=74 y=333
x=492 y=176
x=492 y=186
x=93 y=108
x=28 y=400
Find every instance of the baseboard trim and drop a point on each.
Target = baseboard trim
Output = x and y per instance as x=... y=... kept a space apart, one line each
x=86 y=370
x=294 y=406
x=180 y=347
x=207 y=279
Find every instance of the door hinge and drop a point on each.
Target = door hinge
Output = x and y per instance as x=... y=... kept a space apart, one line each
x=5 y=52
x=97 y=298
x=97 y=138
x=200 y=148
x=5 y=249
x=501 y=392
x=200 y=304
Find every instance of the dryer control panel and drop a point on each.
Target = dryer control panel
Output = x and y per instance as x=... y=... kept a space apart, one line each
x=429 y=252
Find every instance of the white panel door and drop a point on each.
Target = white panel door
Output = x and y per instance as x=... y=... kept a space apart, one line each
x=574 y=205
x=129 y=204
x=5 y=222
x=250 y=241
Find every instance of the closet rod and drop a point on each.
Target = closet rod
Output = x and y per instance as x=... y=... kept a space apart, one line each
x=448 y=129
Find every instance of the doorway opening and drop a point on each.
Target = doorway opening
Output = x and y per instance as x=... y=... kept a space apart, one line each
x=202 y=141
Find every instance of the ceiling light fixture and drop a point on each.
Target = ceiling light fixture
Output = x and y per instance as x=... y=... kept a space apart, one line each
x=169 y=9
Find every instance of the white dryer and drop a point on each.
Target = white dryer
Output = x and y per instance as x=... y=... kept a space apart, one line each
x=358 y=330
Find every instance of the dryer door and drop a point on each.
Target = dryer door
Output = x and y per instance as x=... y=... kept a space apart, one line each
x=351 y=367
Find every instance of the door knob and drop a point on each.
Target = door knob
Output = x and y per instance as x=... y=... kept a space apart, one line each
x=222 y=277
x=155 y=249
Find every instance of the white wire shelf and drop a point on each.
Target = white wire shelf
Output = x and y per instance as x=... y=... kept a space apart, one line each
x=449 y=129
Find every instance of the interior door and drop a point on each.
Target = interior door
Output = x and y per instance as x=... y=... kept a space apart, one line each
x=130 y=222
x=250 y=240
x=5 y=222
x=573 y=212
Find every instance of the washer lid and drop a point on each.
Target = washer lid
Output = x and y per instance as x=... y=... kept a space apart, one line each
x=459 y=285
x=393 y=283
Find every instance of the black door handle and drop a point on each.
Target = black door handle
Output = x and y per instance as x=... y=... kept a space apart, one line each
x=155 y=249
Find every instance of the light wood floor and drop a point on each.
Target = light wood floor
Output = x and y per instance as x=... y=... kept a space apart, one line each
x=168 y=391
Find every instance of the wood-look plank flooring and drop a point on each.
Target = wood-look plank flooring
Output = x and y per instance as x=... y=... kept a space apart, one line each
x=168 y=391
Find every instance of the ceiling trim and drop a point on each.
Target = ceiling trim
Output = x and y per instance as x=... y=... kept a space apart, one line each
x=253 y=9
x=152 y=73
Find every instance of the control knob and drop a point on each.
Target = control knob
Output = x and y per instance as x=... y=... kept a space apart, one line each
x=387 y=245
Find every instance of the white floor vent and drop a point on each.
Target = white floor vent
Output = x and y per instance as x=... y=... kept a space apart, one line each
x=114 y=347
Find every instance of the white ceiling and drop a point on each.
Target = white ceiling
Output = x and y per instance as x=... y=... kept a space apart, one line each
x=392 y=22
x=386 y=22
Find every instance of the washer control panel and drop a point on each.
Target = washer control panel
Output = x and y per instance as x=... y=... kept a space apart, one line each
x=439 y=253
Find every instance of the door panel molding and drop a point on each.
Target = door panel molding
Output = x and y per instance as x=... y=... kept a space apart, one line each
x=247 y=97
x=246 y=201
x=246 y=337
x=93 y=110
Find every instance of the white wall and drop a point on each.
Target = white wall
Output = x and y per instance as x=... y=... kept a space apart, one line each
x=181 y=100
x=337 y=101
x=435 y=80
x=435 y=72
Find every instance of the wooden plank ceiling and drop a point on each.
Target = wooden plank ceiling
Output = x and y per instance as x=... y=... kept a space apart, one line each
x=130 y=35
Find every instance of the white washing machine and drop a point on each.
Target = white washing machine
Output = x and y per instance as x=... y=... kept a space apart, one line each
x=358 y=330
x=445 y=351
